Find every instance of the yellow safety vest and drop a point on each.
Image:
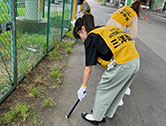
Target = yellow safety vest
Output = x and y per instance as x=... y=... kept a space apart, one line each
x=119 y=42
x=124 y=15
x=81 y=7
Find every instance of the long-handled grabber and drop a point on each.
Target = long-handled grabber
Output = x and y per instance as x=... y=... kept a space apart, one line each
x=72 y=109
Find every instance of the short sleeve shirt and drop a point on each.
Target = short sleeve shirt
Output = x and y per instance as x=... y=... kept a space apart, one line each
x=95 y=47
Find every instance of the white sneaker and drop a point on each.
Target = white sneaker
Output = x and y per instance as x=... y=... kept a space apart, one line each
x=128 y=91
x=120 y=103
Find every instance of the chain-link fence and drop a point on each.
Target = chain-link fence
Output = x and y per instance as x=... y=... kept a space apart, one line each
x=7 y=50
x=39 y=25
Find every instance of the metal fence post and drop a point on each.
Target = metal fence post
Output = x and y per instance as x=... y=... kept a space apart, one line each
x=72 y=1
x=48 y=26
x=43 y=8
x=15 y=8
x=63 y=12
x=13 y=41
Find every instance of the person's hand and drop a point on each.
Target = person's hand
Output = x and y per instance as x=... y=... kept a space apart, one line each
x=81 y=92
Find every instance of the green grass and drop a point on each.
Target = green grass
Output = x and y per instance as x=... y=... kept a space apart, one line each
x=70 y=33
x=70 y=43
x=47 y=103
x=56 y=84
x=36 y=91
x=64 y=64
x=55 y=54
x=59 y=68
x=34 y=116
x=19 y=113
x=55 y=74
x=68 y=50
x=39 y=78
x=4 y=12
x=21 y=12
x=2 y=120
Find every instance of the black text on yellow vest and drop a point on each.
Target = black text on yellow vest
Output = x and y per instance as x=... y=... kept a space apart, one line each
x=124 y=15
x=119 y=42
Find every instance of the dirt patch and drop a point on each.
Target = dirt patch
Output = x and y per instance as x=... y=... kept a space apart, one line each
x=36 y=92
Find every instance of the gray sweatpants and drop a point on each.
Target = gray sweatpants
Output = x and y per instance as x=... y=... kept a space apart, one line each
x=111 y=89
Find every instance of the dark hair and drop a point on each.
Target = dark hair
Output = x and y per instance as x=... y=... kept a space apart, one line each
x=80 y=2
x=86 y=20
x=136 y=6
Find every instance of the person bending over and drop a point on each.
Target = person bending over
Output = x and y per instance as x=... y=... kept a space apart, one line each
x=126 y=17
x=112 y=48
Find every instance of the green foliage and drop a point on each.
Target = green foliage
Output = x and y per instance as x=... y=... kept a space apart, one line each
x=59 y=82
x=2 y=120
x=56 y=84
x=4 y=11
x=55 y=19
x=12 y=115
x=55 y=74
x=65 y=44
x=64 y=64
x=70 y=34
x=34 y=116
x=61 y=44
x=70 y=43
x=20 y=11
x=68 y=50
x=67 y=14
x=20 y=113
x=5 y=44
x=36 y=91
x=55 y=54
x=47 y=103
x=39 y=78
x=23 y=110
x=59 y=68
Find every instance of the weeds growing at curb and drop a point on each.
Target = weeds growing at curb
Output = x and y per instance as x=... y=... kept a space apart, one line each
x=39 y=79
x=56 y=84
x=47 y=103
x=55 y=74
x=19 y=113
x=69 y=50
x=36 y=91
x=49 y=72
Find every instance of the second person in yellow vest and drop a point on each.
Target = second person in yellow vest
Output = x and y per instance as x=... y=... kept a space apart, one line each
x=84 y=7
x=126 y=17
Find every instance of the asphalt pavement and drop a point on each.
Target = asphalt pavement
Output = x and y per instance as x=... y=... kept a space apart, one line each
x=146 y=106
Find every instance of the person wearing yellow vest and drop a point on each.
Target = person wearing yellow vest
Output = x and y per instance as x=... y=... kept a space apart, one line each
x=113 y=49
x=84 y=7
x=126 y=17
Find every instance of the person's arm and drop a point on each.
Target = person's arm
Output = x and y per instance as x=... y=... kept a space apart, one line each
x=86 y=75
x=82 y=91
x=133 y=28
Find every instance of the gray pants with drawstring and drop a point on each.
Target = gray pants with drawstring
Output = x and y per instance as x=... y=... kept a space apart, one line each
x=112 y=87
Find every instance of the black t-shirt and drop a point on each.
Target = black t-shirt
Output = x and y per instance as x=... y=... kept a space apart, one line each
x=95 y=47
